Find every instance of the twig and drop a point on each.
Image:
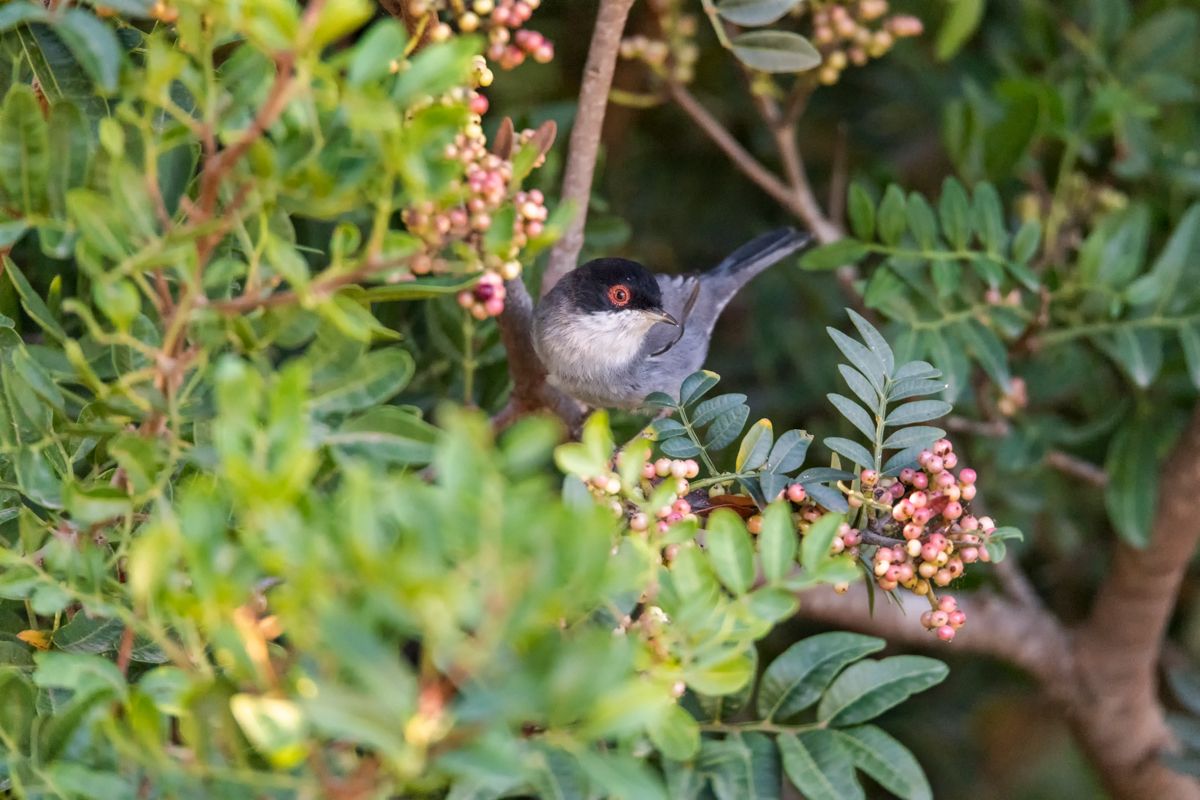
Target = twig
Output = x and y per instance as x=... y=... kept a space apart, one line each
x=741 y=158
x=1077 y=468
x=585 y=134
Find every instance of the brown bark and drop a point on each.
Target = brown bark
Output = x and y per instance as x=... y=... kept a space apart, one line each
x=585 y=134
x=530 y=390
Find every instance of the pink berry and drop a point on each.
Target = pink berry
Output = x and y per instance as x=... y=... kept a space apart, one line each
x=947 y=603
x=967 y=475
x=945 y=633
x=906 y=475
x=968 y=492
x=920 y=481
x=950 y=461
x=939 y=618
x=869 y=477
x=935 y=464
x=952 y=511
x=682 y=506
x=918 y=499
x=796 y=493
x=912 y=531
x=957 y=619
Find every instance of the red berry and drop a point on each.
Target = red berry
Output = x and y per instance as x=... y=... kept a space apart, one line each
x=945 y=633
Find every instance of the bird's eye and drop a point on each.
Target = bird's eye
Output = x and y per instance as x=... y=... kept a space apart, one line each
x=619 y=295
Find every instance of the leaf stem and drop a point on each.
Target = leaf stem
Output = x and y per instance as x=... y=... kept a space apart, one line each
x=760 y=726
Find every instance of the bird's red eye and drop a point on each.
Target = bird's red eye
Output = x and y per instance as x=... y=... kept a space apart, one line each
x=619 y=295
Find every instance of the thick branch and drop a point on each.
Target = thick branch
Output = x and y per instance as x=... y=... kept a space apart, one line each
x=585 y=134
x=1118 y=717
x=996 y=626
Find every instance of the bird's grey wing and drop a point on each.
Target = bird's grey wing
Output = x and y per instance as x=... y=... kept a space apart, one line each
x=680 y=295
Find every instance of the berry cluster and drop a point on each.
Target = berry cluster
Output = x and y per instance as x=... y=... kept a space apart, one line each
x=855 y=32
x=608 y=487
x=938 y=535
x=674 y=55
x=509 y=44
x=463 y=218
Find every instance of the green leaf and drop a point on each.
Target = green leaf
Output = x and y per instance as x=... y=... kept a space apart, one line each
x=914 y=387
x=892 y=216
x=724 y=677
x=743 y=766
x=1189 y=339
x=729 y=550
x=855 y=414
x=755 y=446
x=954 y=209
x=84 y=634
x=865 y=360
x=987 y=349
x=726 y=428
x=388 y=434
x=24 y=150
x=868 y=688
x=71 y=143
x=814 y=546
x=94 y=44
x=874 y=341
x=725 y=706
x=666 y=428
x=860 y=386
x=753 y=13
x=1026 y=243
x=680 y=447
x=710 y=410
x=696 y=385
x=436 y=69
x=620 y=776
x=862 y=212
x=799 y=675
x=777 y=542
x=275 y=726
x=675 y=733
x=947 y=277
x=375 y=378
x=988 y=215
x=920 y=435
x=851 y=450
x=789 y=451
x=836 y=254
x=1180 y=257
x=958 y=27
x=920 y=411
x=776 y=51
x=916 y=369
x=1139 y=352
x=887 y=761
x=78 y=672
x=921 y=221
x=1132 y=489
x=819 y=766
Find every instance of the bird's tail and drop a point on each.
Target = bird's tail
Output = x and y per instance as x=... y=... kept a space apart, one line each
x=758 y=254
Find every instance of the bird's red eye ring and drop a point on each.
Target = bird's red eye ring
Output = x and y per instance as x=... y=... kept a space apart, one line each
x=619 y=295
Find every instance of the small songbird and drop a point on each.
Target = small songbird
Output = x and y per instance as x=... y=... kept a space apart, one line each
x=610 y=332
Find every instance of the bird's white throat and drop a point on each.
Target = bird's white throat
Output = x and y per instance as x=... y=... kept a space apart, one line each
x=605 y=339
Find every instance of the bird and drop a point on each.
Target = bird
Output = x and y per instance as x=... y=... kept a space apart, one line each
x=611 y=332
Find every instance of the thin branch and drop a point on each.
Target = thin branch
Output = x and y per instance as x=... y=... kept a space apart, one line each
x=1077 y=468
x=585 y=134
x=741 y=158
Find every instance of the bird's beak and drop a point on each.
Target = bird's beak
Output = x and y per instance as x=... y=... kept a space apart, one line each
x=658 y=315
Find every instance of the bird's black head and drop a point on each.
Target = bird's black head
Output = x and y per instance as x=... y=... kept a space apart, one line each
x=613 y=284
